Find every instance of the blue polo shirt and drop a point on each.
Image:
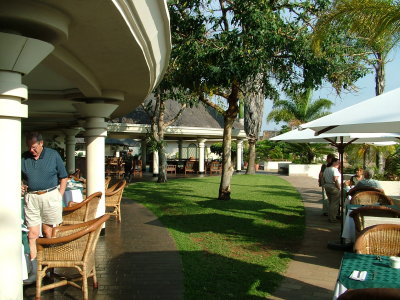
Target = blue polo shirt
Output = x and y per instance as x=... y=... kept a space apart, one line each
x=45 y=172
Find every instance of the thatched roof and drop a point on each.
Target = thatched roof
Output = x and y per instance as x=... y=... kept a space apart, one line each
x=197 y=116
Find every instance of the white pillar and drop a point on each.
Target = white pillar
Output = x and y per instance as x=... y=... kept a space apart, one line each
x=11 y=112
x=239 y=155
x=19 y=55
x=70 y=143
x=201 y=156
x=155 y=163
x=95 y=136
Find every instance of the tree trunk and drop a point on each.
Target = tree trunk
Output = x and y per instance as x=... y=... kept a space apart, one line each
x=251 y=169
x=227 y=169
x=253 y=111
x=162 y=158
x=379 y=75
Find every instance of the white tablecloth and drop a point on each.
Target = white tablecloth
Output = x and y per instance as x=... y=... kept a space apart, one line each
x=72 y=195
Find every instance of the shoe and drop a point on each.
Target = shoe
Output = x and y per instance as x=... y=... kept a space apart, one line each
x=333 y=221
x=32 y=275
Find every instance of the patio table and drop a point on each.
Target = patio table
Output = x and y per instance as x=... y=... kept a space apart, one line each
x=73 y=192
x=379 y=273
x=349 y=231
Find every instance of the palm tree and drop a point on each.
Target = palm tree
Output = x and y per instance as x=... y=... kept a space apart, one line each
x=374 y=23
x=374 y=20
x=299 y=108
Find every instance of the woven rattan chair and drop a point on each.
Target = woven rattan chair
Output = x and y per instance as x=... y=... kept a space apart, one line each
x=356 y=190
x=371 y=294
x=107 y=182
x=72 y=246
x=371 y=198
x=383 y=239
x=113 y=198
x=374 y=211
x=83 y=211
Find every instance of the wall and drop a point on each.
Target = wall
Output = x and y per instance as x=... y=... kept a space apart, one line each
x=273 y=165
x=311 y=170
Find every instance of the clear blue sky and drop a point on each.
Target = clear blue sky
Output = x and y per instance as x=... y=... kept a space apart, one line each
x=366 y=90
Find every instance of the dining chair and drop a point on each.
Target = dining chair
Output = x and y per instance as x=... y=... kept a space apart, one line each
x=371 y=198
x=215 y=167
x=382 y=239
x=354 y=191
x=113 y=199
x=83 y=211
x=137 y=168
x=189 y=167
x=107 y=181
x=371 y=294
x=71 y=246
x=360 y=213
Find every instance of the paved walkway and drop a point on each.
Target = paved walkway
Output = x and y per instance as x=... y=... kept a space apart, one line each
x=313 y=271
x=137 y=259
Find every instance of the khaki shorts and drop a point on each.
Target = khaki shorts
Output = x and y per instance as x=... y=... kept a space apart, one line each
x=43 y=209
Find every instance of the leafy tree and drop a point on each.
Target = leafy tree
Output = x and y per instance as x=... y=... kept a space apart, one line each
x=299 y=109
x=222 y=45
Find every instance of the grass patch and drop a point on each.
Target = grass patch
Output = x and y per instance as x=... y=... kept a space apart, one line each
x=237 y=248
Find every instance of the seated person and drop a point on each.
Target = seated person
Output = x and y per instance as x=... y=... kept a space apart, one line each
x=368 y=181
x=358 y=177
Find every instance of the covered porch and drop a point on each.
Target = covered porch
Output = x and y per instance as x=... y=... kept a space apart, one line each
x=66 y=67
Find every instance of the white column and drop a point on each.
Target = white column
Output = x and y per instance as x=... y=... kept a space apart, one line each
x=143 y=149
x=239 y=155
x=95 y=136
x=11 y=112
x=201 y=156
x=70 y=143
x=19 y=55
x=155 y=163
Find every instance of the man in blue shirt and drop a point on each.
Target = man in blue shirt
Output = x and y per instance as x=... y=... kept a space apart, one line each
x=42 y=169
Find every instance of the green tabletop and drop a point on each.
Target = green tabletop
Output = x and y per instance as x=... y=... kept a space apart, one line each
x=354 y=206
x=380 y=274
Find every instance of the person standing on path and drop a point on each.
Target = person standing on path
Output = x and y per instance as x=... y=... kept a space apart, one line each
x=332 y=179
x=325 y=203
x=43 y=170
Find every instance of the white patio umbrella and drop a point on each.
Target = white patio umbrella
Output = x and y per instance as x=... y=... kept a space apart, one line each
x=377 y=114
x=340 y=141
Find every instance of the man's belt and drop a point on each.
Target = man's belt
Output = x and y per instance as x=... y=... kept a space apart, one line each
x=41 y=192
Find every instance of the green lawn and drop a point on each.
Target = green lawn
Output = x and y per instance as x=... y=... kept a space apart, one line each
x=237 y=248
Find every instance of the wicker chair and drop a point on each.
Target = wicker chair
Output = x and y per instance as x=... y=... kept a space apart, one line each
x=375 y=211
x=83 y=211
x=383 y=239
x=72 y=246
x=356 y=190
x=107 y=182
x=370 y=198
x=113 y=198
x=371 y=294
